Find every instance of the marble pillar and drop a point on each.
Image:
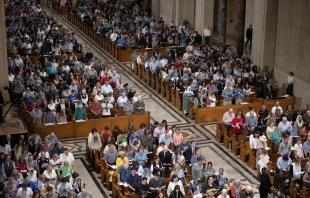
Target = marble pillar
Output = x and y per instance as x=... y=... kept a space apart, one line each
x=3 y=50
x=265 y=19
x=240 y=28
x=222 y=15
x=204 y=12
x=167 y=10
x=156 y=8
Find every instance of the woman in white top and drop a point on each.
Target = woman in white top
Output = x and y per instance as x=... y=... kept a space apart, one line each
x=270 y=128
x=254 y=140
x=96 y=89
x=84 y=98
x=54 y=162
x=299 y=124
x=51 y=174
x=298 y=150
x=99 y=96
x=296 y=169
x=290 y=82
x=175 y=181
x=51 y=105
x=247 y=90
x=95 y=143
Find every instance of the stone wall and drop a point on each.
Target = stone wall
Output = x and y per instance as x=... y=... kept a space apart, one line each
x=292 y=44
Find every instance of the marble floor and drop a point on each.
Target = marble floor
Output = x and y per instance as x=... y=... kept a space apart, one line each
x=203 y=134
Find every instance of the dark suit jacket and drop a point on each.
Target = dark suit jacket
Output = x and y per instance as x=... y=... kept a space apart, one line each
x=267 y=92
x=167 y=159
x=249 y=33
x=189 y=153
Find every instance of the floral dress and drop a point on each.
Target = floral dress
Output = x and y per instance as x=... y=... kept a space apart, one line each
x=11 y=188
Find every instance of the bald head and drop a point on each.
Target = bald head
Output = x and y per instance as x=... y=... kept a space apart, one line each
x=84 y=192
x=230 y=110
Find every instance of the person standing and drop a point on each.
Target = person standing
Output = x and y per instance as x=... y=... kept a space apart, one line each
x=248 y=34
x=265 y=184
x=289 y=87
x=207 y=35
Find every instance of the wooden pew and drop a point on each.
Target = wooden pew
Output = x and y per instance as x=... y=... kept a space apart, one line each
x=114 y=186
x=305 y=192
x=244 y=150
x=158 y=84
x=252 y=159
x=173 y=96
x=191 y=111
x=215 y=114
x=82 y=129
x=219 y=132
x=227 y=138
x=168 y=91
x=236 y=144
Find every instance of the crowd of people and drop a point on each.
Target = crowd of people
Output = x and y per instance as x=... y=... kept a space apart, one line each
x=55 y=91
x=127 y=25
x=130 y=152
x=34 y=167
x=286 y=129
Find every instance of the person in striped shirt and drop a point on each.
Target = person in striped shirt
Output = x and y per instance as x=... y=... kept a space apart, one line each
x=177 y=140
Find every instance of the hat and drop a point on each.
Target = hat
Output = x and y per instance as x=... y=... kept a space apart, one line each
x=31 y=169
x=124 y=144
x=263 y=138
x=121 y=153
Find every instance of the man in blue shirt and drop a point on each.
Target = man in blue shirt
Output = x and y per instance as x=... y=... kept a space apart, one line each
x=123 y=173
x=251 y=121
x=51 y=70
x=133 y=180
x=166 y=138
x=121 y=43
x=227 y=95
x=239 y=95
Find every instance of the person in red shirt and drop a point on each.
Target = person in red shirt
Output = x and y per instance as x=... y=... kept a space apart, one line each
x=106 y=136
x=237 y=124
x=178 y=64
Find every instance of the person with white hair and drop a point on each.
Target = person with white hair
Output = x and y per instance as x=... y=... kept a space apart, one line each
x=186 y=99
x=285 y=125
x=52 y=138
x=224 y=194
x=247 y=192
x=139 y=106
x=235 y=190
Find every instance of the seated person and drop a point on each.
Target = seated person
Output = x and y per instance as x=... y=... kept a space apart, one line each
x=157 y=184
x=209 y=187
x=133 y=180
x=165 y=157
x=48 y=117
x=166 y=138
x=141 y=157
x=61 y=117
x=123 y=173
x=142 y=187
x=284 y=163
x=195 y=157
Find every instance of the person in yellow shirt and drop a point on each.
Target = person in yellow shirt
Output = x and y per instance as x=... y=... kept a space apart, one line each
x=47 y=184
x=121 y=159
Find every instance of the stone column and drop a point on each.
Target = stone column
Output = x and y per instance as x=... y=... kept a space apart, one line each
x=155 y=8
x=240 y=27
x=222 y=21
x=265 y=20
x=3 y=51
x=204 y=15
